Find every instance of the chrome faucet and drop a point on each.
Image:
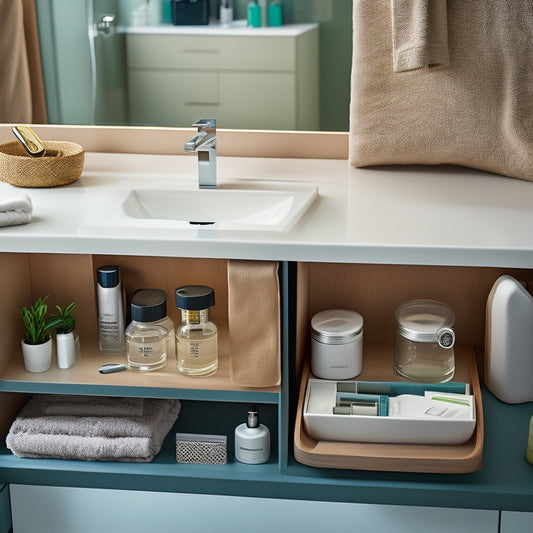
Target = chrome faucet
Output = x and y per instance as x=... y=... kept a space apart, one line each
x=205 y=144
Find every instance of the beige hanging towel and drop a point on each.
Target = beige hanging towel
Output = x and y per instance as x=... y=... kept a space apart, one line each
x=419 y=34
x=254 y=323
x=15 y=87
x=475 y=110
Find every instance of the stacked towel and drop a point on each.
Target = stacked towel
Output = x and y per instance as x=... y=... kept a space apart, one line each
x=118 y=429
x=90 y=405
x=15 y=206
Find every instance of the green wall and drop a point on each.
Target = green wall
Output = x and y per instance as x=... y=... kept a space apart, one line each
x=67 y=67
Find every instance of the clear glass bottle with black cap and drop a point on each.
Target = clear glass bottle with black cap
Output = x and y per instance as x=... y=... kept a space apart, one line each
x=149 y=336
x=196 y=336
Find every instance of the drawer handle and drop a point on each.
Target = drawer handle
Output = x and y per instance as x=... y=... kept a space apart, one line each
x=203 y=103
x=199 y=51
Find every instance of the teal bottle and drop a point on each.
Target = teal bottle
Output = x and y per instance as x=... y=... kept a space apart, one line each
x=254 y=14
x=275 y=14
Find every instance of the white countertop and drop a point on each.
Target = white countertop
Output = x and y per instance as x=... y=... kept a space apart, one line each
x=397 y=215
x=237 y=27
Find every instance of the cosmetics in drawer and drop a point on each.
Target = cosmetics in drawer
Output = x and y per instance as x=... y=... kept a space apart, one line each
x=389 y=412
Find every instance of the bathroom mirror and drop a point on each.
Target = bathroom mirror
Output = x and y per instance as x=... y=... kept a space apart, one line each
x=84 y=47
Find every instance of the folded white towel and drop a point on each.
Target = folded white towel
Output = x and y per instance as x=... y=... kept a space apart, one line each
x=15 y=206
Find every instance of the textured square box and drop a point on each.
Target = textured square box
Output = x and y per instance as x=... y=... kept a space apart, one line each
x=202 y=449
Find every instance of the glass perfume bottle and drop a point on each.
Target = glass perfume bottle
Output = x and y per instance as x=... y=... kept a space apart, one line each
x=196 y=336
x=149 y=337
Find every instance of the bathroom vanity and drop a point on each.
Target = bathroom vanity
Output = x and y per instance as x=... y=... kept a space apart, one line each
x=371 y=239
x=242 y=76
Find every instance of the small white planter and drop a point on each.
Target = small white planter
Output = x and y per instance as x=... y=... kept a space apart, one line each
x=66 y=346
x=37 y=357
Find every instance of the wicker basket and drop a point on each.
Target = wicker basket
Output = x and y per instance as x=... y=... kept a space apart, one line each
x=62 y=164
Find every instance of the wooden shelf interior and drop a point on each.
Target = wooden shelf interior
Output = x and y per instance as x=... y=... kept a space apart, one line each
x=66 y=278
x=375 y=291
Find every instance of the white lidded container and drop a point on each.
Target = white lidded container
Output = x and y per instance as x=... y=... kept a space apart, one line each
x=423 y=349
x=336 y=344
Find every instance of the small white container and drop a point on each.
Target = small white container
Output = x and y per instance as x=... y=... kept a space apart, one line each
x=337 y=344
x=252 y=440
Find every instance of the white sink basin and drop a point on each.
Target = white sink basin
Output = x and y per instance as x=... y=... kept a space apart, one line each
x=253 y=205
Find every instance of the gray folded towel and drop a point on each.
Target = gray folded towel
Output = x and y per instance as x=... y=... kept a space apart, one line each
x=67 y=404
x=134 y=438
x=15 y=206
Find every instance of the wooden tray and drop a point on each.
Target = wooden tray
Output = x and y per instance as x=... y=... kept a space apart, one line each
x=445 y=459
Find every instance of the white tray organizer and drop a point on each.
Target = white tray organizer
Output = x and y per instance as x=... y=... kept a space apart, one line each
x=321 y=424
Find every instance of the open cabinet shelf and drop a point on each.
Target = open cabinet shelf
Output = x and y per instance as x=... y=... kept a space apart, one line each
x=163 y=473
x=215 y=406
x=83 y=378
x=210 y=405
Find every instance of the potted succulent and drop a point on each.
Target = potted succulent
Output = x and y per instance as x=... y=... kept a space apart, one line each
x=64 y=323
x=37 y=343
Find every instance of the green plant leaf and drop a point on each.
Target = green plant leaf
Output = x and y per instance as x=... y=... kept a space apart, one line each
x=64 y=321
x=35 y=322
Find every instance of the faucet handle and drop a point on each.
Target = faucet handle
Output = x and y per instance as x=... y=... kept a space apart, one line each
x=206 y=124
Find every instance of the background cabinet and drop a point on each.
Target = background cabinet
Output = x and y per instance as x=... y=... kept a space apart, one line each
x=242 y=80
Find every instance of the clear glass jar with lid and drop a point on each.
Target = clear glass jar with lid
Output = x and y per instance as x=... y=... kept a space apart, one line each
x=150 y=335
x=196 y=336
x=424 y=341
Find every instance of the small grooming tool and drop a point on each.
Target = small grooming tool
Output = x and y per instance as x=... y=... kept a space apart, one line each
x=31 y=142
x=111 y=368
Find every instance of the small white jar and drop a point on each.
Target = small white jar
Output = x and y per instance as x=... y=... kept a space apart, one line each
x=337 y=344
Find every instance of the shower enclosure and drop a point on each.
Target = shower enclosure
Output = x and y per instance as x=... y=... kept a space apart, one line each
x=83 y=61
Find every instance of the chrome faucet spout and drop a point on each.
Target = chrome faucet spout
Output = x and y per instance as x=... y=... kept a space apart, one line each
x=205 y=144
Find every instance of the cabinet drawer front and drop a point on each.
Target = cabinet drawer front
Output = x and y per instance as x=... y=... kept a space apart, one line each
x=237 y=99
x=257 y=98
x=171 y=98
x=226 y=53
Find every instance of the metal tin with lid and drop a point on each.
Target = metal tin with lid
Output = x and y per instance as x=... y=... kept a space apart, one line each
x=337 y=344
x=424 y=341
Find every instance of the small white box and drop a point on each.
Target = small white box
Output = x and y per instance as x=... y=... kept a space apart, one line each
x=322 y=424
